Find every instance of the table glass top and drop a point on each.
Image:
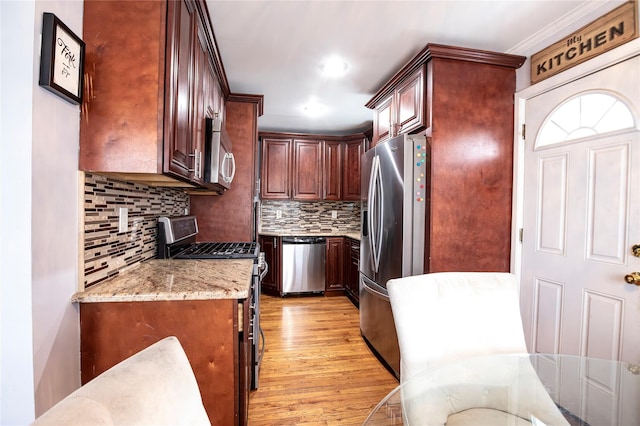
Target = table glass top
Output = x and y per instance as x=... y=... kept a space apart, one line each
x=517 y=390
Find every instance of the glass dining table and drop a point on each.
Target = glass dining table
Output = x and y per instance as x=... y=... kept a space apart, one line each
x=538 y=389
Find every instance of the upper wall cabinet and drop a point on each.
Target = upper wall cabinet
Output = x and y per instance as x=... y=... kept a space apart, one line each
x=403 y=110
x=275 y=176
x=462 y=99
x=152 y=76
x=310 y=167
x=354 y=147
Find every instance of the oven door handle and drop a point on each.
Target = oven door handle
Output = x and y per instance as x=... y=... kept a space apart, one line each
x=264 y=271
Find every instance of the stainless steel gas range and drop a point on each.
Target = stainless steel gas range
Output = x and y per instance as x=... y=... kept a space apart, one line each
x=177 y=240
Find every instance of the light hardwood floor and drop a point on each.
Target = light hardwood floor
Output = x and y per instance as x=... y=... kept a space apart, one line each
x=316 y=369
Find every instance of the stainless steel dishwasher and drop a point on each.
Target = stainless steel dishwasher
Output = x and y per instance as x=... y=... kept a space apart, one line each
x=303 y=265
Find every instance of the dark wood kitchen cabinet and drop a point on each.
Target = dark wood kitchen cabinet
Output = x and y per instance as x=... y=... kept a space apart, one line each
x=272 y=248
x=402 y=111
x=353 y=150
x=332 y=170
x=352 y=270
x=308 y=174
x=275 y=182
x=213 y=333
x=180 y=151
x=467 y=117
x=311 y=167
x=334 y=282
x=146 y=66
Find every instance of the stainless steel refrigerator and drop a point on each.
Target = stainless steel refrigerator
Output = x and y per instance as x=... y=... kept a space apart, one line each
x=395 y=183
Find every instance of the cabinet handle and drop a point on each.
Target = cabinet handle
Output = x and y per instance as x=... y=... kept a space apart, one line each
x=275 y=242
x=197 y=164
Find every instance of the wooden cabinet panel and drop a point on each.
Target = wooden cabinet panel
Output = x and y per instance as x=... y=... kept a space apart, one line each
x=403 y=110
x=307 y=170
x=334 y=284
x=276 y=169
x=181 y=37
x=207 y=330
x=272 y=248
x=382 y=120
x=121 y=129
x=332 y=182
x=352 y=270
x=147 y=130
x=353 y=150
x=410 y=103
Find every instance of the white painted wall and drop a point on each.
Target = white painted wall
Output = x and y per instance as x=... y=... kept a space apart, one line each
x=16 y=88
x=40 y=353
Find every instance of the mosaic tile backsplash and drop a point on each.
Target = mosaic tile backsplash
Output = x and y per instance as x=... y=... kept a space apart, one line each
x=303 y=217
x=108 y=252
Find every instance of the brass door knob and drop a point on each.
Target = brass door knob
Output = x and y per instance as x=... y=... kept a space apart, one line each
x=635 y=249
x=633 y=278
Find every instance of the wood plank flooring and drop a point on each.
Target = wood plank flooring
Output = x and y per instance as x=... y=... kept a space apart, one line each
x=316 y=369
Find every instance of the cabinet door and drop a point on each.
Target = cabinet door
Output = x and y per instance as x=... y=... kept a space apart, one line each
x=272 y=248
x=353 y=150
x=307 y=170
x=200 y=86
x=335 y=266
x=332 y=170
x=409 y=103
x=353 y=278
x=276 y=169
x=181 y=34
x=382 y=116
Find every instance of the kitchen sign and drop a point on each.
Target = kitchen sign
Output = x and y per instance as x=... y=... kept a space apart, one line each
x=61 y=59
x=611 y=30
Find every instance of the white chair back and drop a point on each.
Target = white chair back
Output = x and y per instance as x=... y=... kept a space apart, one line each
x=447 y=316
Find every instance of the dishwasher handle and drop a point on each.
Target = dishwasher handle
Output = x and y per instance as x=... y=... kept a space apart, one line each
x=304 y=240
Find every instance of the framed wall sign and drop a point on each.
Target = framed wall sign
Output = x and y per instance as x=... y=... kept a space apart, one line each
x=61 y=59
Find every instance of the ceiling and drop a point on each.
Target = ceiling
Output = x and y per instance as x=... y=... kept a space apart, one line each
x=276 y=48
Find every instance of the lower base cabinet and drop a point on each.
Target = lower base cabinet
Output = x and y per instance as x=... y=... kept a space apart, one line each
x=334 y=283
x=352 y=270
x=272 y=248
x=208 y=330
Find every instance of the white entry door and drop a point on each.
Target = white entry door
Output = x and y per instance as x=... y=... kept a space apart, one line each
x=582 y=216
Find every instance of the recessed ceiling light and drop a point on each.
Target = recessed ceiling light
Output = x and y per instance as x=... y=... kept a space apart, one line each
x=314 y=109
x=334 y=67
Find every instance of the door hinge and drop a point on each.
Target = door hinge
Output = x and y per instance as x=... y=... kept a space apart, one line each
x=524 y=131
x=520 y=234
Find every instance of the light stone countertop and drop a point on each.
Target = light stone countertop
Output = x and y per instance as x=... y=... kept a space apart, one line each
x=175 y=279
x=353 y=235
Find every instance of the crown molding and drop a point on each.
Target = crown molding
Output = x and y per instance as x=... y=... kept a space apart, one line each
x=564 y=25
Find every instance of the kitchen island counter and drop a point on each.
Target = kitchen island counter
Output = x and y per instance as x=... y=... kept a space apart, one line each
x=175 y=279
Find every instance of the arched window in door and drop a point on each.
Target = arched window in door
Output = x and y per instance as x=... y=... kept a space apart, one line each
x=585 y=115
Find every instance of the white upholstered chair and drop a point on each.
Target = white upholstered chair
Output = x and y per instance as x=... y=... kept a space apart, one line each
x=154 y=387
x=444 y=318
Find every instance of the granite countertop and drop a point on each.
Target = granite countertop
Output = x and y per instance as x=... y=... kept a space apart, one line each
x=173 y=279
x=298 y=233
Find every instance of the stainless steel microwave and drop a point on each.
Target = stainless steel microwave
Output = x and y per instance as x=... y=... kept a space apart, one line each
x=220 y=164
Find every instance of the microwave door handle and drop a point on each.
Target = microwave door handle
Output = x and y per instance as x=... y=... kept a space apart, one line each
x=228 y=157
x=233 y=166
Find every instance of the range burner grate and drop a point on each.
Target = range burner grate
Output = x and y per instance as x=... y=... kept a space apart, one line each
x=219 y=251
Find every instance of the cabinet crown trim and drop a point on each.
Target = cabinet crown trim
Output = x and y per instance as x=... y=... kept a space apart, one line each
x=439 y=51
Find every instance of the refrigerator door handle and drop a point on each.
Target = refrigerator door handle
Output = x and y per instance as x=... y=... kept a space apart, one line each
x=379 y=213
x=372 y=214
